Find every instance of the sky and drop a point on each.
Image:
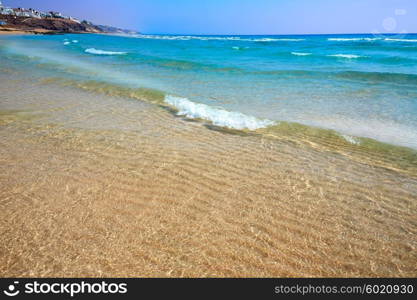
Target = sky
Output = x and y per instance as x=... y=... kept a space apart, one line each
x=240 y=16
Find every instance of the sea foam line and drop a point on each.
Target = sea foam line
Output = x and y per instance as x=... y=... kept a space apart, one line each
x=276 y=40
x=103 y=52
x=300 y=53
x=217 y=116
x=401 y=40
x=213 y=38
x=350 y=56
x=352 y=39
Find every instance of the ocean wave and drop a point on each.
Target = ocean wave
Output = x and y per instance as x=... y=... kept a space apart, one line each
x=349 y=56
x=352 y=39
x=185 y=37
x=103 y=52
x=67 y=43
x=217 y=116
x=300 y=53
x=401 y=40
x=214 y=38
x=276 y=40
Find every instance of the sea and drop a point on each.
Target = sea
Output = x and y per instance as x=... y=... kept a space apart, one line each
x=357 y=86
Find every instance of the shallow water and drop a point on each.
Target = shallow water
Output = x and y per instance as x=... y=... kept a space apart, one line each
x=97 y=185
x=360 y=85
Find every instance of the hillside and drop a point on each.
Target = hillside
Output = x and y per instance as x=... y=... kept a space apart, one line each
x=47 y=25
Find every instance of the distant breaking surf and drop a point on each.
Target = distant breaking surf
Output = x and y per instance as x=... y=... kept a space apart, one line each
x=402 y=40
x=352 y=39
x=300 y=53
x=214 y=38
x=349 y=56
x=103 y=52
x=372 y=39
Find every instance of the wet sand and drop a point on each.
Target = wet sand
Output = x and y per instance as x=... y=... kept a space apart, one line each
x=93 y=185
x=15 y=31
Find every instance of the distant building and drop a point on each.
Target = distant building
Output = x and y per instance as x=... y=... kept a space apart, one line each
x=32 y=13
x=45 y=15
x=20 y=12
x=5 y=10
x=56 y=14
x=75 y=20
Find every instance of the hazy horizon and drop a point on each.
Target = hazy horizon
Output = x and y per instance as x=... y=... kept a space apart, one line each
x=244 y=17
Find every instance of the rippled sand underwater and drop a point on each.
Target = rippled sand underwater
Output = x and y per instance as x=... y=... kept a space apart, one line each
x=95 y=183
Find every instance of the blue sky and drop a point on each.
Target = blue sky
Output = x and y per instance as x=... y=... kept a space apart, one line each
x=241 y=16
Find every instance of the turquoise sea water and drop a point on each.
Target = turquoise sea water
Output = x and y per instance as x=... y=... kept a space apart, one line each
x=358 y=85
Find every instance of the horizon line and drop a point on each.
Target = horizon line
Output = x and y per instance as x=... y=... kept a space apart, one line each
x=276 y=34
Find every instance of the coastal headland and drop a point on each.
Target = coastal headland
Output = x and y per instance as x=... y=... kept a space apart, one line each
x=30 y=21
x=45 y=25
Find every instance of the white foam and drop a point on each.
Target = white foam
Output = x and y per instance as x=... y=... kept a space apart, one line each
x=351 y=139
x=300 y=53
x=349 y=56
x=212 y=38
x=103 y=52
x=217 y=116
x=185 y=37
x=352 y=39
x=66 y=43
x=402 y=40
x=277 y=40
x=74 y=41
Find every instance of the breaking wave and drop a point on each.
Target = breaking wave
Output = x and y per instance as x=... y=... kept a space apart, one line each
x=214 y=38
x=352 y=39
x=402 y=40
x=300 y=53
x=217 y=116
x=349 y=56
x=103 y=52
x=277 y=40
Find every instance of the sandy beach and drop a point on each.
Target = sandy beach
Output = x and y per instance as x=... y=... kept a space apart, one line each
x=95 y=185
x=12 y=31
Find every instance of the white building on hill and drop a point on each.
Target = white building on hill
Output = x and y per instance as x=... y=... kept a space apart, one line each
x=5 y=10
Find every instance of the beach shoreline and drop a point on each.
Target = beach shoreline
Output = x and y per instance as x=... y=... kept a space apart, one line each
x=14 y=31
x=94 y=185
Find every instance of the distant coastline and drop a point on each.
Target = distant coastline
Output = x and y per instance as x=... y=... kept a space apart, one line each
x=30 y=21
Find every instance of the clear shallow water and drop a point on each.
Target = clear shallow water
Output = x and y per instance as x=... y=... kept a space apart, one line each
x=359 y=85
